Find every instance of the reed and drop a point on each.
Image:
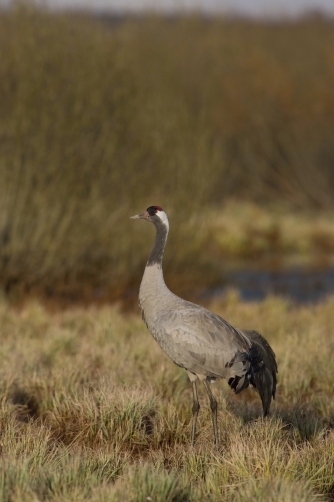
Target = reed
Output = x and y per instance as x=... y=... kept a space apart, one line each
x=100 y=119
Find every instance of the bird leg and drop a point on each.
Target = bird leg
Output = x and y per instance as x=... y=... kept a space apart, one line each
x=214 y=407
x=195 y=410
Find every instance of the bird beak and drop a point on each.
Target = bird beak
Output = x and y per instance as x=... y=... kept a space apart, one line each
x=144 y=216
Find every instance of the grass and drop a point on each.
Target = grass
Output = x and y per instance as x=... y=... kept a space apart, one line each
x=228 y=125
x=251 y=234
x=100 y=119
x=91 y=409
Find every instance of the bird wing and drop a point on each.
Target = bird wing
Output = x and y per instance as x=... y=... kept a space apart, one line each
x=203 y=343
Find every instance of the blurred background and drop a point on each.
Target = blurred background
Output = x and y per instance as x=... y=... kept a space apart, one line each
x=222 y=113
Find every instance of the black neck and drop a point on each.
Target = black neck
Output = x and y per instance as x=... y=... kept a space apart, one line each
x=159 y=245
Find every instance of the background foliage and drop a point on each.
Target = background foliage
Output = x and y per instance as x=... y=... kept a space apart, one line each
x=101 y=117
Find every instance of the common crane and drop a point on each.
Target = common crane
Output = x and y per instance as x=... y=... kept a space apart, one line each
x=201 y=342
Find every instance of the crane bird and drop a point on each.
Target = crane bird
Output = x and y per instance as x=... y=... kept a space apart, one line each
x=201 y=342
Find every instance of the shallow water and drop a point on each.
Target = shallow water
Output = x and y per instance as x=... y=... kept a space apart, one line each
x=296 y=283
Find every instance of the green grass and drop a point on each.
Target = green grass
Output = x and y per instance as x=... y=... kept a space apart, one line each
x=101 y=119
x=91 y=409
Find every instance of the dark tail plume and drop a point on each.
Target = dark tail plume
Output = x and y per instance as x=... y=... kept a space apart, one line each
x=263 y=368
x=263 y=382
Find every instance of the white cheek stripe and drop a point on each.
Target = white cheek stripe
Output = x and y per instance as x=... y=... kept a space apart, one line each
x=163 y=217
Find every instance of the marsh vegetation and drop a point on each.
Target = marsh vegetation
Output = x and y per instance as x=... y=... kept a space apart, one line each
x=226 y=124
x=92 y=409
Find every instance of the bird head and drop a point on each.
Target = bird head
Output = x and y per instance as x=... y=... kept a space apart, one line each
x=154 y=214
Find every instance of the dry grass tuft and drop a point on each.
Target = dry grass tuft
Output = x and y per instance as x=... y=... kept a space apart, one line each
x=91 y=409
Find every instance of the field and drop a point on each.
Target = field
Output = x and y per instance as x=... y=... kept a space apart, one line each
x=229 y=126
x=91 y=409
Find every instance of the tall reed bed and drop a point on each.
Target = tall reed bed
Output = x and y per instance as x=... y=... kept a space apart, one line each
x=101 y=118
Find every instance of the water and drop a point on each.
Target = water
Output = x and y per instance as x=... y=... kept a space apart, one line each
x=296 y=283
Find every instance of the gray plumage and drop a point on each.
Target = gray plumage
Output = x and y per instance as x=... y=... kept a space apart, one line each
x=202 y=342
